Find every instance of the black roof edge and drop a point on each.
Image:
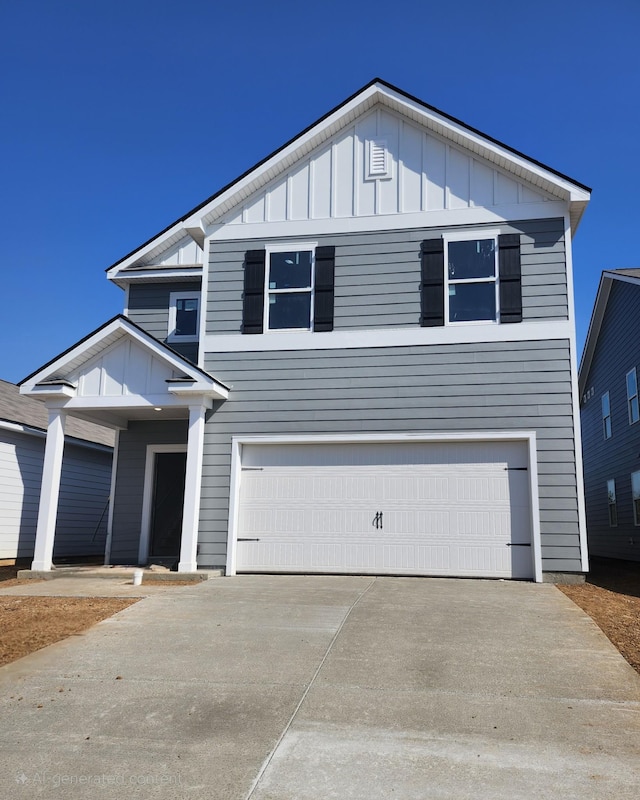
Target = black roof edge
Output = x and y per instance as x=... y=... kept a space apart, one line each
x=133 y=325
x=321 y=119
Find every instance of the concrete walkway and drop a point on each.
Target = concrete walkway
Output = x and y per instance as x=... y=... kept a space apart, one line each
x=314 y=688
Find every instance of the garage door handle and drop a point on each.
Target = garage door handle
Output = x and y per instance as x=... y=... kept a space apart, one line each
x=518 y=544
x=248 y=540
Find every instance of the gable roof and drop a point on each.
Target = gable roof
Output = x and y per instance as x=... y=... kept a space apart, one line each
x=377 y=91
x=630 y=275
x=32 y=412
x=58 y=370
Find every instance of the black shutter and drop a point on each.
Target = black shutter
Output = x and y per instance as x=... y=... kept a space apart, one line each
x=510 y=277
x=324 y=283
x=432 y=284
x=253 y=299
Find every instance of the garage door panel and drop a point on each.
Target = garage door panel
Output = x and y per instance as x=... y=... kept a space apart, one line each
x=328 y=508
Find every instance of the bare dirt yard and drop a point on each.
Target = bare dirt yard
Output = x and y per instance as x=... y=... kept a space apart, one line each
x=30 y=623
x=611 y=597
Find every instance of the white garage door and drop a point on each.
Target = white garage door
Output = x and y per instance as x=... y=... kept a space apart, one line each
x=386 y=508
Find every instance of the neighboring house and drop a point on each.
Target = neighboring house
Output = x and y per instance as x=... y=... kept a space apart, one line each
x=84 y=486
x=381 y=319
x=610 y=412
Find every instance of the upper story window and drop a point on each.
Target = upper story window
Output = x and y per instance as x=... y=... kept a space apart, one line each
x=184 y=316
x=632 y=396
x=606 y=416
x=611 y=503
x=289 y=290
x=471 y=277
x=472 y=286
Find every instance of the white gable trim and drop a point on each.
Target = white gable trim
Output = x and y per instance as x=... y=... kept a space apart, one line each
x=377 y=92
x=51 y=381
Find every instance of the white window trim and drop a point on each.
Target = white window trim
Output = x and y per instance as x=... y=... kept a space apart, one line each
x=606 y=416
x=631 y=397
x=173 y=303
x=636 y=515
x=470 y=236
x=294 y=247
x=614 y=504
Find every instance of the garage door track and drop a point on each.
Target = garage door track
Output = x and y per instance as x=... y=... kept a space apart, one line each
x=311 y=688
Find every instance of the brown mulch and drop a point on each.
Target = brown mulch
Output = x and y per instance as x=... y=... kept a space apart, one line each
x=611 y=597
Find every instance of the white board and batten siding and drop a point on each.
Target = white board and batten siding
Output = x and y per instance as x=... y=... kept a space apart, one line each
x=454 y=508
x=425 y=173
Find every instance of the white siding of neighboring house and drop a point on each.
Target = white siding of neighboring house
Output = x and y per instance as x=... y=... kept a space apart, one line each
x=84 y=491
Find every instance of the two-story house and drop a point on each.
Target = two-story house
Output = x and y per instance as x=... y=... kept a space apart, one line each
x=358 y=357
x=610 y=411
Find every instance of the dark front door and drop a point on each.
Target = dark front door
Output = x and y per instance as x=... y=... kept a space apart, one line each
x=168 y=500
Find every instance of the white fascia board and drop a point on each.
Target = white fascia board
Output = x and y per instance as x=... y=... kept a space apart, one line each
x=51 y=392
x=479 y=144
x=125 y=402
x=597 y=317
x=207 y=392
x=124 y=278
x=39 y=433
x=388 y=337
x=117 y=325
x=448 y=218
x=283 y=158
x=179 y=229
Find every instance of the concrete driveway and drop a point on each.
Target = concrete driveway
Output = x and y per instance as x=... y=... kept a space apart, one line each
x=311 y=688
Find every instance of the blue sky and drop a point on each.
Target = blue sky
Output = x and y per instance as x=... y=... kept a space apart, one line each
x=118 y=117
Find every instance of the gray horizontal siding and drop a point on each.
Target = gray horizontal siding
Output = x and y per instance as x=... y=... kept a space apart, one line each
x=149 y=308
x=377 y=277
x=448 y=388
x=616 y=353
x=84 y=491
x=132 y=454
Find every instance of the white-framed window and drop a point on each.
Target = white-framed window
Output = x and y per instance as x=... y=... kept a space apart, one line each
x=288 y=296
x=606 y=416
x=635 y=497
x=471 y=278
x=632 y=396
x=611 y=503
x=184 y=316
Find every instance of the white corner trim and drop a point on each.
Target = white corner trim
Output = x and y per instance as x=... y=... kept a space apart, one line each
x=147 y=494
x=472 y=333
x=575 y=403
x=238 y=442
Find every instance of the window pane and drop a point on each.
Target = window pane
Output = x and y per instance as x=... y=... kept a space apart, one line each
x=605 y=404
x=187 y=317
x=290 y=310
x=290 y=270
x=634 y=409
x=470 y=301
x=475 y=259
x=635 y=491
x=632 y=384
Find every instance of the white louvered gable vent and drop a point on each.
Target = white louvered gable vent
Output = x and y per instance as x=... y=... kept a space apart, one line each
x=378 y=162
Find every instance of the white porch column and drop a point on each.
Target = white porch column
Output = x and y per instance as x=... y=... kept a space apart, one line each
x=192 y=485
x=49 y=491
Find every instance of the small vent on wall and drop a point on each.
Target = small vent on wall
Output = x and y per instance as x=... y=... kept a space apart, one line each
x=378 y=161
